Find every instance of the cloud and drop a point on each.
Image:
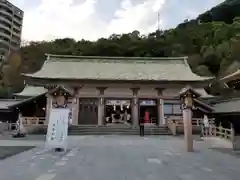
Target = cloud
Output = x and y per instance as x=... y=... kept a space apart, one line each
x=92 y=19
x=138 y=17
x=60 y=18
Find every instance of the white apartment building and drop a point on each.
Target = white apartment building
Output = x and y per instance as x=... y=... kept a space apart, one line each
x=11 y=19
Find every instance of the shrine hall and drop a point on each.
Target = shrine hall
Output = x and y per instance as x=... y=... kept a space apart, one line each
x=111 y=90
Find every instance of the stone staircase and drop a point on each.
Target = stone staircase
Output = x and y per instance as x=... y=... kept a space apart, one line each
x=116 y=130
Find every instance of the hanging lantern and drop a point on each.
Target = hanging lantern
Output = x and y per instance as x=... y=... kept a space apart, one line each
x=186 y=97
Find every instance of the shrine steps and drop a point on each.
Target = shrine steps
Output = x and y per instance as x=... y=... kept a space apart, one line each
x=107 y=130
x=116 y=130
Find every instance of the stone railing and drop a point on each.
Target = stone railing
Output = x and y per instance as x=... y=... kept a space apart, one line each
x=176 y=125
x=227 y=134
x=33 y=120
x=195 y=122
x=171 y=124
x=219 y=131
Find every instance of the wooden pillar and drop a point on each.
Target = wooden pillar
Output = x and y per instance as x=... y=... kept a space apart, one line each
x=135 y=108
x=75 y=106
x=101 y=106
x=187 y=121
x=187 y=95
x=48 y=109
x=160 y=107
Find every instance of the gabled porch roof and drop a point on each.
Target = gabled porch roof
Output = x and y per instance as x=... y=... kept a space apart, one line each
x=30 y=91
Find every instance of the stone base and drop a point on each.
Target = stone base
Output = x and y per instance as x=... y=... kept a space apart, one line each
x=236 y=144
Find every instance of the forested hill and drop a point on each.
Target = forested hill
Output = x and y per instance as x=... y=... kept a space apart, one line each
x=225 y=11
x=211 y=41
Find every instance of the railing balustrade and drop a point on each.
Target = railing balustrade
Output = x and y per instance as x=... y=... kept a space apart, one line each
x=174 y=122
x=214 y=131
x=33 y=120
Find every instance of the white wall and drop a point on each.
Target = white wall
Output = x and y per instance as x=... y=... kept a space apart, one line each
x=144 y=92
x=118 y=92
x=171 y=92
x=88 y=92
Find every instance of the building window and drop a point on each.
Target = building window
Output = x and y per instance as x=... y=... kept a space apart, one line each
x=172 y=109
x=168 y=109
x=177 y=109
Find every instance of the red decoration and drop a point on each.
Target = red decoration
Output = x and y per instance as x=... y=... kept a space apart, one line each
x=147 y=117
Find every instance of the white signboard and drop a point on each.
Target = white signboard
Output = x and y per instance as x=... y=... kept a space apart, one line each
x=147 y=103
x=57 y=131
x=117 y=102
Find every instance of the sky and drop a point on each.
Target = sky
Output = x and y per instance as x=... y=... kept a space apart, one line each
x=92 y=19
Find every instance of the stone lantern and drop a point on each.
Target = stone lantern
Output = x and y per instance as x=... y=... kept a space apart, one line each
x=187 y=95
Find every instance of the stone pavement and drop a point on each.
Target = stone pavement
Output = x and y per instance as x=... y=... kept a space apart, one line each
x=122 y=158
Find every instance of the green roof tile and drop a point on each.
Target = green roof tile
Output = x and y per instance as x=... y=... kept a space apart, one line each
x=228 y=106
x=116 y=68
x=30 y=91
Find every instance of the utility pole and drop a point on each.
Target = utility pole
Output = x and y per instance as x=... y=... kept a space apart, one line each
x=158 y=21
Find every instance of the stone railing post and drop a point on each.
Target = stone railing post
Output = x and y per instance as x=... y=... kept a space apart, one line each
x=232 y=133
x=174 y=128
x=37 y=120
x=220 y=131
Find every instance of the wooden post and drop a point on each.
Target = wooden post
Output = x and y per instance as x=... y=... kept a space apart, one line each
x=101 y=106
x=187 y=120
x=186 y=95
x=232 y=133
x=48 y=108
x=135 y=108
x=75 y=104
x=220 y=130
x=160 y=107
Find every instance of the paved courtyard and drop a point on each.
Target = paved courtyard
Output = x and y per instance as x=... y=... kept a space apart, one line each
x=120 y=158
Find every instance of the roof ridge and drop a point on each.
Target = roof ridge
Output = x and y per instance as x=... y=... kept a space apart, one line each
x=10 y=100
x=114 y=58
x=235 y=73
x=226 y=100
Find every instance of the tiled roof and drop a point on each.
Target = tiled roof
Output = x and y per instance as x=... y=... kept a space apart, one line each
x=5 y=103
x=203 y=93
x=228 y=106
x=30 y=91
x=116 y=68
x=233 y=76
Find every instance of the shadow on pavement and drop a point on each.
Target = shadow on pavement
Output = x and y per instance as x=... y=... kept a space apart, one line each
x=227 y=151
x=7 y=151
